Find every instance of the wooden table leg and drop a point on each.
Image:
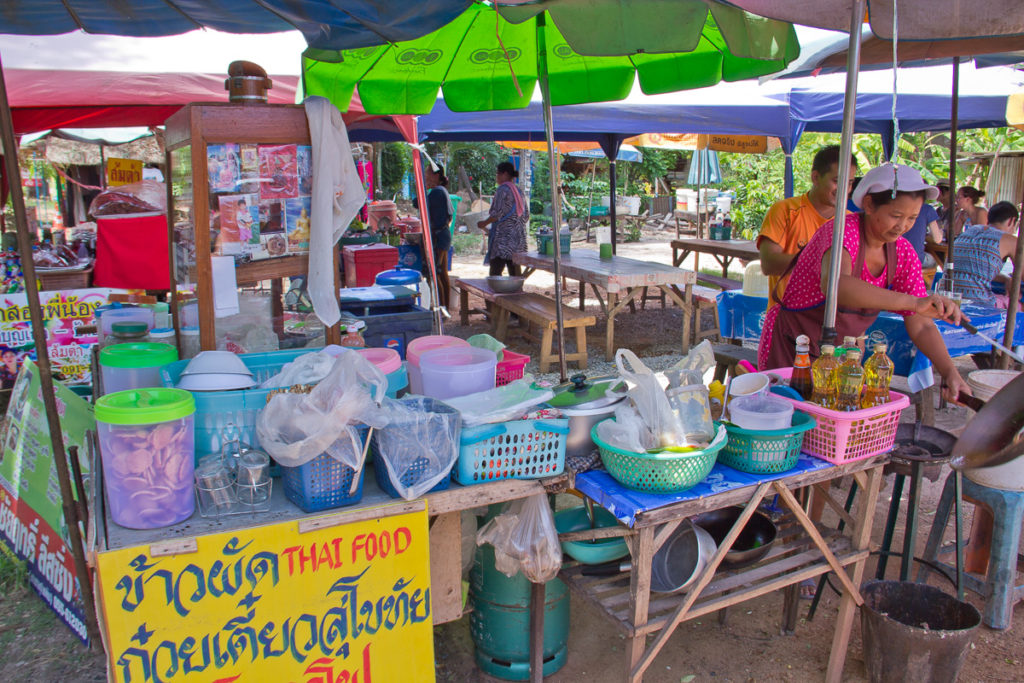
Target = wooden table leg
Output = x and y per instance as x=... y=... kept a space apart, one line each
x=790 y=608
x=583 y=295
x=463 y=306
x=609 y=335
x=639 y=599
x=848 y=605
x=581 y=347
x=685 y=302
x=446 y=567
x=537 y=591
x=546 y=356
x=500 y=318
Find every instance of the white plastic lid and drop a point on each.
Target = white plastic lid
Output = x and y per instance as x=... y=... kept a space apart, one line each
x=190 y=330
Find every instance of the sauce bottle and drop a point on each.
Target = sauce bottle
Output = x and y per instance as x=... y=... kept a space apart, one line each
x=801 y=378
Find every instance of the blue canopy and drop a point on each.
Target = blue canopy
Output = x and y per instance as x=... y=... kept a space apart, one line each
x=326 y=24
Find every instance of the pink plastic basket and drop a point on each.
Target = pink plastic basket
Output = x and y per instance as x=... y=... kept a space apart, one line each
x=841 y=437
x=510 y=368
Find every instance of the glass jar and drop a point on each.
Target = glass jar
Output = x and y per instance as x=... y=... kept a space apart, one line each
x=125 y=333
x=163 y=335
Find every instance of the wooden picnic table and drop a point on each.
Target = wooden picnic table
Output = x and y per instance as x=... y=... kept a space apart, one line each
x=724 y=251
x=623 y=280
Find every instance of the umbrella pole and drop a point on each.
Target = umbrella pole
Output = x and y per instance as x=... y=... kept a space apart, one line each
x=428 y=243
x=612 y=180
x=954 y=119
x=556 y=200
x=828 y=333
x=60 y=459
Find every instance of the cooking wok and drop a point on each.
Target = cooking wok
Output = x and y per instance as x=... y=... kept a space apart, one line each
x=989 y=439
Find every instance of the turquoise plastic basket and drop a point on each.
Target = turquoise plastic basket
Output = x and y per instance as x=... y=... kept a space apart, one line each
x=766 y=451
x=659 y=472
x=518 y=449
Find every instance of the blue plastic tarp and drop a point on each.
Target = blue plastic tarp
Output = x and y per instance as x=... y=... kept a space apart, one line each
x=326 y=24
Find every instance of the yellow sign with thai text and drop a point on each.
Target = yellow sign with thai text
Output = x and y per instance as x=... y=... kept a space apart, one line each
x=341 y=604
x=123 y=171
x=755 y=144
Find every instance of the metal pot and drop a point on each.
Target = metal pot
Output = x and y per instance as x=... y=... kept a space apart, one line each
x=585 y=403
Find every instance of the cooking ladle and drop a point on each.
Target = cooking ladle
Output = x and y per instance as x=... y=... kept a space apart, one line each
x=989 y=439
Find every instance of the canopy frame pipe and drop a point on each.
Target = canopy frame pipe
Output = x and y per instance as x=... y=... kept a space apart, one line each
x=43 y=365
x=828 y=332
x=556 y=197
x=427 y=239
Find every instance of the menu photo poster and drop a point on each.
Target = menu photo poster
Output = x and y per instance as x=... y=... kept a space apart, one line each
x=278 y=171
x=305 y=169
x=224 y=167
x=272 y=228
x=297 y=220
x=239 y=217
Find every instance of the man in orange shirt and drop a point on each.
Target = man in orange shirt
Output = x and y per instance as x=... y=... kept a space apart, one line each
x=790 y=223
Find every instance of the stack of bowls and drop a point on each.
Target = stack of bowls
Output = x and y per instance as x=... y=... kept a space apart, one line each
x=216 y=371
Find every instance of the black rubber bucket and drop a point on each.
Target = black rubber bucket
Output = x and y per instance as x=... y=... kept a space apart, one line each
x=914 y=632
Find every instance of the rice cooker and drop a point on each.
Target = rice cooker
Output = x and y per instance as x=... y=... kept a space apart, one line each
x=585 y=402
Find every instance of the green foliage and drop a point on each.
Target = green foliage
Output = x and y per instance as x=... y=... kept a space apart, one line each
x=633 y=232
x=396 y=161
x=13 y=573
x=478 y=159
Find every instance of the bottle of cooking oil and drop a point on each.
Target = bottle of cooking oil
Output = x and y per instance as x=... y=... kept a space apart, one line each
x=823 y=374
x=877 y=374
x=849 y=380
x=848 y=343
x=800 y=380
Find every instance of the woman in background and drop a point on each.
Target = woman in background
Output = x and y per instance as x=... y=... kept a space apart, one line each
x=508 y=214
x=968 y=212
x=439 y=213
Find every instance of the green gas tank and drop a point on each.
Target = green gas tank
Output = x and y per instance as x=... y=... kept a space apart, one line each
x=500 y=620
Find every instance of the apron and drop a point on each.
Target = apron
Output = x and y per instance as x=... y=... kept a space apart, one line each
x=850 y=322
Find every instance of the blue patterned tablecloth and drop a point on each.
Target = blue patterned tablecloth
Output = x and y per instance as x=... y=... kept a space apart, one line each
x=626 y=503
x=742 y=317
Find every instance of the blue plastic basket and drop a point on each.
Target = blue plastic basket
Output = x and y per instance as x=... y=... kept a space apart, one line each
x=321 y=484
x=518 y=449
x=411 y=476
x=215 y=410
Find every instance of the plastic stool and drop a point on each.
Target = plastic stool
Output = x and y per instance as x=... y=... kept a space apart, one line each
x=1000 y=587
x=405 y=277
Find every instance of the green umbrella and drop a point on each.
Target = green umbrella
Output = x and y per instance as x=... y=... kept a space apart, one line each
x=578 y=51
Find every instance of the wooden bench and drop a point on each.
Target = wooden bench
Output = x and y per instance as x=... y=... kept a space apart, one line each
x=477 y=287
x=539 y=310
x=705 y=299
x=728 y=356
x=723 y=283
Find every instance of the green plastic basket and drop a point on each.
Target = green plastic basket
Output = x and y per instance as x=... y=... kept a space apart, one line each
x=661 y=472
x=766 y=451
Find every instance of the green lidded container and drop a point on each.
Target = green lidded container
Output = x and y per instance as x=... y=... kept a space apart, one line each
x=147 y=445
x=144 y=406
x=134 y=365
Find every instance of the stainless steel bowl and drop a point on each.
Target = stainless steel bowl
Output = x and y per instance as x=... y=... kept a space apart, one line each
x=505 y=284
x=754 y=541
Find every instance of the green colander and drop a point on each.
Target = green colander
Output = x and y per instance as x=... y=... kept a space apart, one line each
x=659 y=472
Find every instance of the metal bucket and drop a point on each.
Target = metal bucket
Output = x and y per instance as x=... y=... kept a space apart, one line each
x=914 y=632
x=681 y=559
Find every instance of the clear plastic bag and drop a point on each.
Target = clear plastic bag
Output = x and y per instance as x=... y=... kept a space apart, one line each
x=524 y=539
x=141 y=197
x=650 y=400
x=420 y=443
x=691 y=369
x=309 y=368
x=501 y=404
x=295 y=428
x=486 y=341
x=627 y=431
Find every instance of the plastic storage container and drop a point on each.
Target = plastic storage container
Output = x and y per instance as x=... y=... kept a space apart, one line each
x=220 y=412
x=755 y=283
x=761 y=412
x=447 y=373
x=842 y=437
x=363 y=262
x=123 y=315
x=134 y=366
x=148 y=453
x=518 y=449
x=388 y=361
x=421 y=345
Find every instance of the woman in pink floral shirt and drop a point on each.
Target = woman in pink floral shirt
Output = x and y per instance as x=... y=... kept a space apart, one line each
x=880 y=272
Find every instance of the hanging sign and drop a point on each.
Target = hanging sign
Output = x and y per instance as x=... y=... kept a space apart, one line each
x=31 y=517
x=123 y=171
x=755 y=144
x=1015 y=110
x=336 y=604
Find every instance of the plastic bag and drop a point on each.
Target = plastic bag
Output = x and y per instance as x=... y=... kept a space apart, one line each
x=524 y=539
x=650 y=401
x=141 y=197
x=420 y=443
x=309 y=368
x=486 y=341
x=627 y=431
x=691 y=369
x=295 y=428
x=500 y=404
